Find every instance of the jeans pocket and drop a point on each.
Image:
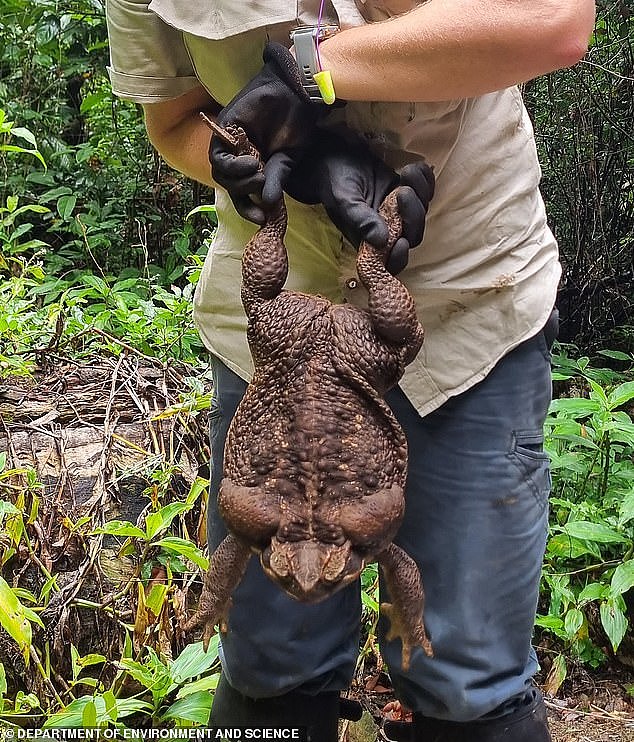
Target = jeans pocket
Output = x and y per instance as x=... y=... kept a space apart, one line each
x=528 y=454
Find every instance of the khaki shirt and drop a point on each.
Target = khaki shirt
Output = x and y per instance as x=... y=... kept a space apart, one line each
x=486 y=274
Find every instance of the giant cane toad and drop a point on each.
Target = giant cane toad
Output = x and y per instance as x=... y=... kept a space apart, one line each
x=315 y=461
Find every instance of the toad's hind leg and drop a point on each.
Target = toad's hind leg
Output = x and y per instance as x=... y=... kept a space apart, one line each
x=405 y=612
x=392 y=308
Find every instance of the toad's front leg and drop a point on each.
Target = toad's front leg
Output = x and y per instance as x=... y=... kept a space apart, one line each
x=226 y=568
x=406 y=609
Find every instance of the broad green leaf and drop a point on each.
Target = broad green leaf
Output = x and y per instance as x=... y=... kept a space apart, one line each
x=14 y=620
x=72 y=715
x=549 y=622
x=12 y=203
x=193 y=660
x=162 y=518
x=172 y=562
x=561 y=376
x=127 y=283
x=599 y=393
x=623 y=578
x=91 y=659
x=96 y=283
x=89 y=715
x=199 y=485
x=74 y=656
x=156 y=597
x=129 y=706
x=3 y=681
x=33 y=617
x=210 y=682
x=202 y=209
x=593 y=591
x=153 y=523
x=621 y=429
x=616 y=354
x=66 y=205
x=614 y=622
x=194 y=708
x=110 y=703
x=573 y=621
x=139 y=672
x=121 y=528
x=369 y=602
x=91 y=100
x=626 y=510
x=20 y=131
x=33 y=208
x=15 y=148
x=563 y=545
x=184 y=548
x=589 y=531
x=55 y=193
x=621 y=394
x=35 y=270
x=577 y=440
x=575 y=406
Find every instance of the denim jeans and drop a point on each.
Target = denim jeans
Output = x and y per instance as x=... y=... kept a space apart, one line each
x=475 y=522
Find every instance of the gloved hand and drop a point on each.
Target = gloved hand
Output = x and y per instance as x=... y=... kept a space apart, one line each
x=351 y=182
x=277 y=115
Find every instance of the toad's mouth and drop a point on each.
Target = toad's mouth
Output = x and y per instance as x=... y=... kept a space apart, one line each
x=311 y=570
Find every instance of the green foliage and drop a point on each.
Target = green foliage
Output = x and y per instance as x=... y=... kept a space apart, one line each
x=178 y=691
x=41 y=311
x=111 y=204
x=584 y=126
x=16 y=618
x=154 y=538
x=172 y=691
x=589 y=558
x=9 y=130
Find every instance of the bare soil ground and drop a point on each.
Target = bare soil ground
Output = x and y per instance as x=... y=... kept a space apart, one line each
x=590 y=727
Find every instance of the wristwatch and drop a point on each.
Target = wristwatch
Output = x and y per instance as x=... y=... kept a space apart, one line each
x=305 y=40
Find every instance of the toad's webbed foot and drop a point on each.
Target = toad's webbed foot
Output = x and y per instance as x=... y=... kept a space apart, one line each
x=411 y=635
x=406 y=610
x=226 y=568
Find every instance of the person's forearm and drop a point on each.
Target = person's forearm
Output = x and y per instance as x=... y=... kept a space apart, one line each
x=448 y=49
x=179 y=134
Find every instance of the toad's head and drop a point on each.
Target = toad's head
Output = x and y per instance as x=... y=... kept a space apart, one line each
x=311 y=570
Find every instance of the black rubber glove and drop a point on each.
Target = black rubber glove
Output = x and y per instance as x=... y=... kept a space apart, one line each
x=277 y=115
x=351 y=182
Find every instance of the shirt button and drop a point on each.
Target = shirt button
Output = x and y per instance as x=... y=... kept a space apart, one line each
x=352 y=283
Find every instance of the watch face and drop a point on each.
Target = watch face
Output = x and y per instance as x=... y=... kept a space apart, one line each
x=326 y=31
x=317 y=32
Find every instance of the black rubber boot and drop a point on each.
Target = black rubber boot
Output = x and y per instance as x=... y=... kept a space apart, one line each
x=319 y=714
x=527 y=723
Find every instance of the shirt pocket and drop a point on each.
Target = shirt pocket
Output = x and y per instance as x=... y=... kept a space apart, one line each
x=220 y=20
